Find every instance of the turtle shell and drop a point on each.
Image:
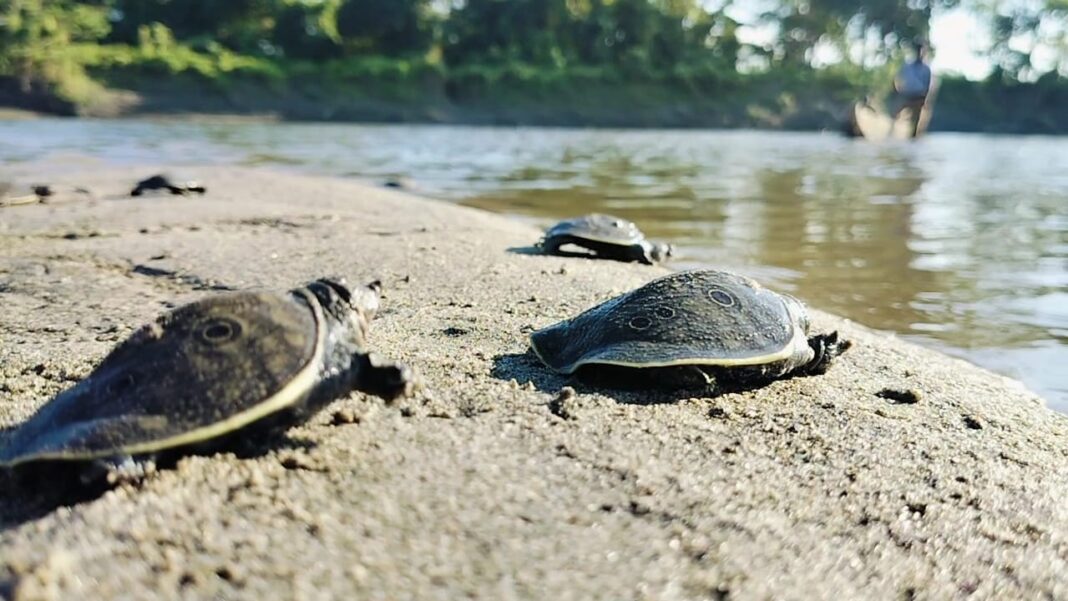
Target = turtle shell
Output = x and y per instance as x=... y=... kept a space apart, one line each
x=196 y=373
x=163 y=182
x=690 y=318
x=598 y=228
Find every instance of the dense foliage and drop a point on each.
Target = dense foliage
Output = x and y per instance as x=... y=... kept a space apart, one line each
x=473 y=45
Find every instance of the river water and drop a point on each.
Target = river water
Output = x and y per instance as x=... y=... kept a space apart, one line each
x=957 y=242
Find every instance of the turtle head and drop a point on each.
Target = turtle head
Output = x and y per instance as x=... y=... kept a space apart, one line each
x=344 y=303
x=350 y=311
x=825 y=347
x=365 y=299
x=659 y=251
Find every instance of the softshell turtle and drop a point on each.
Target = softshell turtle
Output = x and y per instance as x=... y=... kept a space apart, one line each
x=12 y=195
x=162 y=182
x=232 y=364
x=691 y=329
x=607 y=237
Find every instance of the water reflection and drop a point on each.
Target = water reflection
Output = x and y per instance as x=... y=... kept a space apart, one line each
x=959 y=241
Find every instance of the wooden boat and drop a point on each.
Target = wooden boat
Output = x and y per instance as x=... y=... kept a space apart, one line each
x=865 y=121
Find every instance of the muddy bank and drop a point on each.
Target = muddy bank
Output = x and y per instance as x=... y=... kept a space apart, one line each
x=772 y=102
x=435 y=98
x=899 y=473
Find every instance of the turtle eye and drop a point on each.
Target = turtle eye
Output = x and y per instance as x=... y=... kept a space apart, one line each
x=721 y=297
x=218 y=331
x=338 y=287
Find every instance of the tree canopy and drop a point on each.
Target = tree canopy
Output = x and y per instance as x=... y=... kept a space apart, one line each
x=626 y=36
x=656 y=32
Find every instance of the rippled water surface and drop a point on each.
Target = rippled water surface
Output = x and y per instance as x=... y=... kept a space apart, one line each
x=959 y=242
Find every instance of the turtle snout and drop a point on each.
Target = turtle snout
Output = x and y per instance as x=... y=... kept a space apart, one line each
x=662 y=252
x=337 y=298
x=365 y=299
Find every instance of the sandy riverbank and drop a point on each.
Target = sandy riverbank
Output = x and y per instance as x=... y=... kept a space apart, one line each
x=481 y=486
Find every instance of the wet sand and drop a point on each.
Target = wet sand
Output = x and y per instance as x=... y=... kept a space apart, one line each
x=901 y=473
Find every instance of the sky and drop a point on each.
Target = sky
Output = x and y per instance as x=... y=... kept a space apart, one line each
x=956 y=36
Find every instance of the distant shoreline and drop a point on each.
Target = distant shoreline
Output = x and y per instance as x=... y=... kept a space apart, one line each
x=15 y=114
x=768 y=104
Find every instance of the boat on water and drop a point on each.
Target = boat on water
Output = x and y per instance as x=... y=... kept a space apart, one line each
x=866 y=121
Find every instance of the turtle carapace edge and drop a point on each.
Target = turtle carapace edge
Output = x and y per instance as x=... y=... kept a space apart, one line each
x=693 y=329
x=604 y=237
x=235 y=363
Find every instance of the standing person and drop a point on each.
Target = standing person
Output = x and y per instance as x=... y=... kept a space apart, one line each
x=913 y=84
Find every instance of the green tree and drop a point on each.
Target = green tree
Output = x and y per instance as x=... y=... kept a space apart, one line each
x=633 y=34
x=35 y=35
x=877 y=27
x=1019 y=30
x=495 y=31
x=237 y=24
x=392 y=27
x=307 y=30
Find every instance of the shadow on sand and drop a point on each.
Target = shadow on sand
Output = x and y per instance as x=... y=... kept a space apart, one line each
x=535 y=250
x=32 y=491
x=525 y=250
x=527 y=368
